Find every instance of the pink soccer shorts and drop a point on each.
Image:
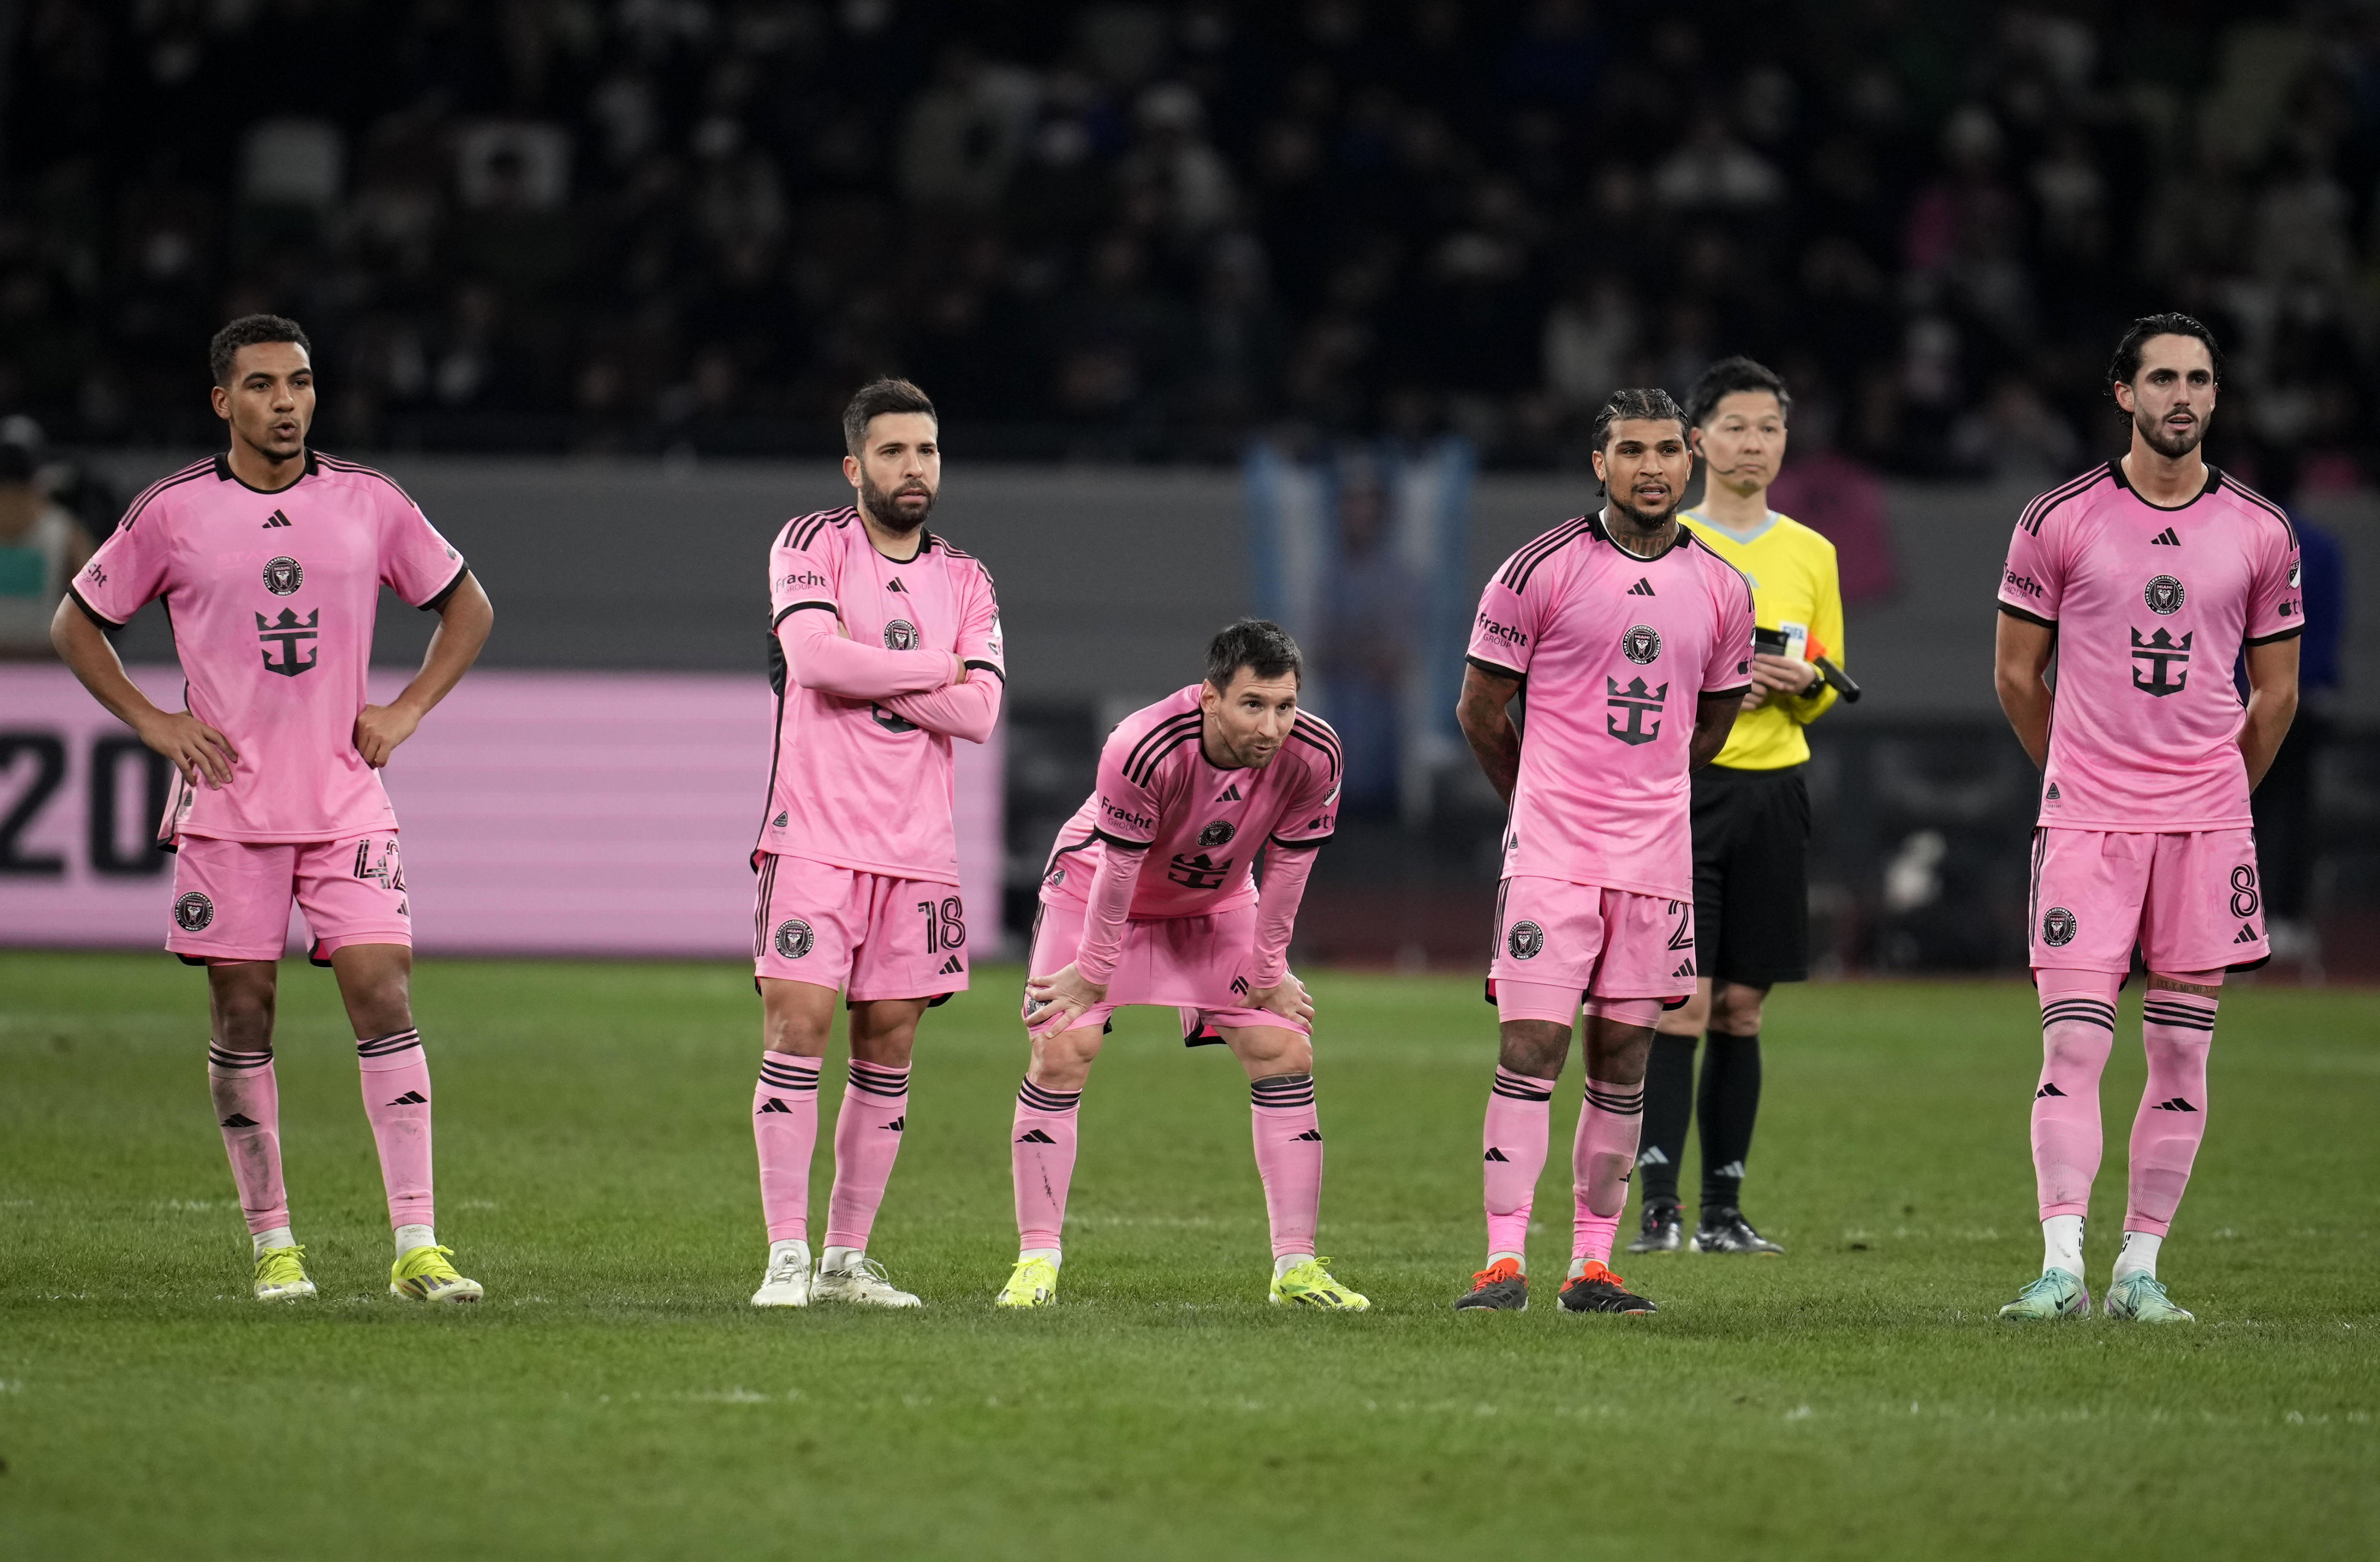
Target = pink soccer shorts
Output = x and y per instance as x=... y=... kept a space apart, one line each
x=1200 y=965
x=2189 y=901
x=869 y=934
x=232 y=898
x=1602 y=942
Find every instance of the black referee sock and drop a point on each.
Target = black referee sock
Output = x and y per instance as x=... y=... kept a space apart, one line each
x=1727 y=1103
x=1668 y=1106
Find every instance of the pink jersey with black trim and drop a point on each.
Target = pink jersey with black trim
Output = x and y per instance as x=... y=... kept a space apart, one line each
x=1617 y=651
x=853 y=784
x=272 y=597
x=2151 y=607
x=1202 y=824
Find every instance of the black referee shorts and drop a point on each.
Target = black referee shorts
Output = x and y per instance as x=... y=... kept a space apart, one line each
x=1751 y=878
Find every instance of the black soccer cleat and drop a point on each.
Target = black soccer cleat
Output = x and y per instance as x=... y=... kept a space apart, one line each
x=1600 y=1290
x=1664 y=1230
x=1500 y=1287
x=1726 y=1230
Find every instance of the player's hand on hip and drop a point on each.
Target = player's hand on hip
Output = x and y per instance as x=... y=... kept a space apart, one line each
x=200 y=752
x=380 y=728
x=1286 y=998
x=1053 y=1003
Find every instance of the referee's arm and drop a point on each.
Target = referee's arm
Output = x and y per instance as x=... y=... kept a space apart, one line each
x=1827 y=630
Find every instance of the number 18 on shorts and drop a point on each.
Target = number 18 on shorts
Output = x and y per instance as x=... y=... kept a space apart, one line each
x=872 y=936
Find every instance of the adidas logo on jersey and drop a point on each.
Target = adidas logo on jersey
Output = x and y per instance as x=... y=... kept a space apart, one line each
x=1312 y=1135
x=2175 y=1104
x=1034 y=1136
x=1496 y=1155
x=951 y=967
x=411 y=1098
x=1230 y=793
x=898 y=1125
x=2247 y=934
x=2053 y=791
x=276 y=519
x=1685 y=970
x=896 y=586
x=1240 y=986
x=239 y=1120
x=2165 y=539
x=1643 y=587
x=2048 y=1090
x=773 y=1105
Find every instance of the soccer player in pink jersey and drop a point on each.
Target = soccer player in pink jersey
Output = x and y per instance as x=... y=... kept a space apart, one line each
x=271 y=557
x=1634 y=643
x=2148 y=576
x=1150 y=897
x=885 y=645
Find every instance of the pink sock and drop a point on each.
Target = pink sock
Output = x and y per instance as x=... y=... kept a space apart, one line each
x=248 y=1104
x=2078 y=1026
x=866 y=1142
x=2179 y=1029
x=1602 y=1159
x=1288 y=1158
x=1520 y=1121
x=396 y=1078
x=785 y=1131
x=1041 y=1155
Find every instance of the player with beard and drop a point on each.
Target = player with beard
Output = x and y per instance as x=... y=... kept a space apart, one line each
x=885 y=645
x=2149 y=575
x=1634 y=641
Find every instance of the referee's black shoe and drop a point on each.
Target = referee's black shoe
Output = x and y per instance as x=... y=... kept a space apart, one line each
x=1726 y=1230
x=1663 y=1229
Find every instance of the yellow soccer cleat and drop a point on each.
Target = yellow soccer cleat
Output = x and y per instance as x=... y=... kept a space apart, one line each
x=280 y=1275
x=1310 y=1285
x=424 y=1275
x=1034 y=1284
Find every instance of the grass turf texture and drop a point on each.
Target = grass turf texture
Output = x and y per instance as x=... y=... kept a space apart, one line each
x=615 y=1395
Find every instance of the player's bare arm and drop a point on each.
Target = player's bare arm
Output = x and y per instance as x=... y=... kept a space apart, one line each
x=1714 y=718
x=1488 y=726
x=464 y=621
x=2019 y=657
x=203 y=755
x=2272 y=704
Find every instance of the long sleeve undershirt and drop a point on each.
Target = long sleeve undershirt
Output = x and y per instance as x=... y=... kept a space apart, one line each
x=821 y=658
x=1284 y=886
x=1103 y=927
x=968 y=709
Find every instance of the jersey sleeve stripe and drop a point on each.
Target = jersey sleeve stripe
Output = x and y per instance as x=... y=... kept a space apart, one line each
x=438 y=599
x=2028 y=617
x=2291 y=633
x=1736 y=693
x=1524 y=562
x=1156 y=756
x=1497 y=668
x=792 y=608
x=1305 y=843
x=357 y=469
x=2038 y=511
x=991 y=667
x=1327 y=744
x=1118 y=840
x=191 y=473
x=2253 y=497
x=1155 y=736
x=90 y=612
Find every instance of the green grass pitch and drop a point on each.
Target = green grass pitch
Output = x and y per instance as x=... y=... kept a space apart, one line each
x=615 y=1396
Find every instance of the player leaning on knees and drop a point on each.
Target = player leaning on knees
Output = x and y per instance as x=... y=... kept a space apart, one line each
x=885 y=645
x=272 y=556
x=1634 y=641
x=2148 y=574
x=1751 y=819
x=1150 y=897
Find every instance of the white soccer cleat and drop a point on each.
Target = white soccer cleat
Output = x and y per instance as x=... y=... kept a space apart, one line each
x=787 y=1283
x=862 y=1280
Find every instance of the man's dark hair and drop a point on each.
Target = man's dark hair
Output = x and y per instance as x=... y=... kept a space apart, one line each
x=1627 y=406
x=1259 y=645
x=877 y=398
x=2126 y=364
x=246 y=332
x=1727 y=377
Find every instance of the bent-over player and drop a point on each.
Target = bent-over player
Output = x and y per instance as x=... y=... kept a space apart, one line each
x=1150 y=897
x=1634 y=641
x=2148 y=574
x=271 y=556
x=885 y=645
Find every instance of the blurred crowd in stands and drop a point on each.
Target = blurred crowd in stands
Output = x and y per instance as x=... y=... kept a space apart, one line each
x=1142 y=231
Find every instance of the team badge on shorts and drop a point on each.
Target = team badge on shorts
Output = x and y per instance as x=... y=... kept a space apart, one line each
x=1641 y=644
x=2057 y=928
x=283 y=576
x=193 y=913
x=2164 y=596
x=900 y=636
x=1219 y=833
x=794 y=938
x=1526 y=941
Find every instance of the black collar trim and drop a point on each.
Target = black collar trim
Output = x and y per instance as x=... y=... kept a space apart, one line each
x=2214 y=482
x=1594 y=530
x=225 y=474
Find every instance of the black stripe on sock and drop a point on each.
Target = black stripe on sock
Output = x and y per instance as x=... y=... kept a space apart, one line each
x=1037 y=1100
x=385 y=1046
x=1516 y=1088
x=224 y=1059
x=1283 y=1090
x=876 y=1080
x=1623 y=1103
x=788 y=1076
x=2079 y=1012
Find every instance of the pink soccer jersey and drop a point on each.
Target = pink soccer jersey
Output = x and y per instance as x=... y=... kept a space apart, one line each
x=1201 y=823
x=2151 y=607
x=272 y=597
x=1617 y=651
x=853 y=784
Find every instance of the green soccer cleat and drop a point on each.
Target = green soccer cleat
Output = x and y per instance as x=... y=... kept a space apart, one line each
x=1034 y=1284
x=423 y=1274
x=280 y=1275
x=2056 y=1295
x=2140 y=1299
x=1310 y=1285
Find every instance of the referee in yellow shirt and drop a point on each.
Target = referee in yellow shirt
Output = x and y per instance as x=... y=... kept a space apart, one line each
x=1751 y=820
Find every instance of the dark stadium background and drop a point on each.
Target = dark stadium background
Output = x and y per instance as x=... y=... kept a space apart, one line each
x=592 y=279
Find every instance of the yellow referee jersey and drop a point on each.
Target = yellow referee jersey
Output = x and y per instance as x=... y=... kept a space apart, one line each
x=1794 y=581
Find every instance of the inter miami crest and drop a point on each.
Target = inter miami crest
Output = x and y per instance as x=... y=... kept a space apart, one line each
x=283 y=576
x=1219 y=833
x=193 y=911
x=900 y=636
x=794 y=938
x=1526 y=941
x=2164 y=596
x=2057 y=926
x=1641 y=644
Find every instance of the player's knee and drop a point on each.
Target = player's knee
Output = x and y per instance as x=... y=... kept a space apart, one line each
x=1735 y=1010
x=1064 y=1061
x=1282 y=1055
x=1535 y=1048
x=243 y=999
